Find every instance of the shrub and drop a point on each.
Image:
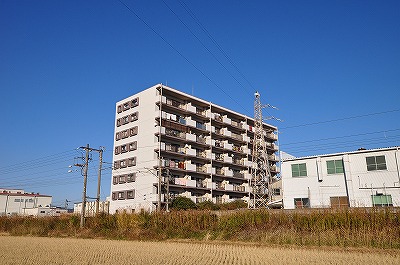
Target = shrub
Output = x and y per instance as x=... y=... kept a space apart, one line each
x=183 y=203
x=237 y=204
x=208 y=205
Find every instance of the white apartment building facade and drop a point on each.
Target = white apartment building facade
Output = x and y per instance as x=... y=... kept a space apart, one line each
x=205 y=147
x=19 y=202
x=363 y=178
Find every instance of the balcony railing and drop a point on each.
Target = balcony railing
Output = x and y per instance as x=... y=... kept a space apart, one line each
x=237 y=161
x=200 y=112
x=175 y=133
x=219 y=144
x=201 y=154
x=200 y=199
x=237 y=148
x=201 y=139
x=237 y=124
x=175 y=103
x=218 y=118
x=219 y=171
x=238 y=175
x=238 y=188
x=201 y=169
x=219 y=157
x=200 y=184
x=200 y=126
x=237 y=136
x=219 y=186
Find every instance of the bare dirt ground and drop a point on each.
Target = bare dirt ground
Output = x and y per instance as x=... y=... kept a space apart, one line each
x=43 y=250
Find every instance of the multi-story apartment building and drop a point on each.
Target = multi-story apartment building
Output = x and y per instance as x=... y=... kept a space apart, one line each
x=363 y=178
x=206 y=147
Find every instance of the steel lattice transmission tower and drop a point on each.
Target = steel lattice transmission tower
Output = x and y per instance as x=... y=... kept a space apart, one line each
x=260 y=194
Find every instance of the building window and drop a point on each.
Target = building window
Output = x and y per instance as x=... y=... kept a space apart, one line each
x=133 y=131
x=299 y=170
x=114 y=196
x=131 y=177
x=376 y=163
x=121 y=179
x=276 y=192
x=119 y=109
x=133 y=146
x=382 y=200
x=335 y=166
x=117 y=136
x=125 y=134
x=127 y=106
x=130 y=194
x=123 y=148
x=118 y=122
x=125 y=119
x=121 y=195
x=116 y=165
x=122 y=163
x=134 y=116
x=135 y=102
x=116 y=150
x=131 y=161
x=115 y=180
x=302 y=203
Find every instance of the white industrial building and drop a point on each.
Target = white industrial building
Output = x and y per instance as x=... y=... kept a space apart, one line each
x=206 y=147
x=90 y=208
x=18 y=202
x=363 y=178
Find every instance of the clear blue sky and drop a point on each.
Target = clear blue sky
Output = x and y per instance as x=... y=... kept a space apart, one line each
x=64 y=64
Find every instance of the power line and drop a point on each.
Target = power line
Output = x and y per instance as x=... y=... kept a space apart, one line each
x=183 y=56
x=204 y=46
x=339 y=137
x=183 y=4
x=340 y=119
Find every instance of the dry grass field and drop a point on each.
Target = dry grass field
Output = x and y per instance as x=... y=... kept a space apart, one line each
x=44 y=250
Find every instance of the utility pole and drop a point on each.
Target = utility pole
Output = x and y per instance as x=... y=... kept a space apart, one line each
x=85 y=171
x=85 y=175
x=99 y=179
x=167 y=177
x=159 y=154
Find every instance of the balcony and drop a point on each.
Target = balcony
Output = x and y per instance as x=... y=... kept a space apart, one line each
x=219 y=157
x=201 y=154
x=239 y=188
x=237 y=148
x=237 y=124
x=220 y=171
x=201 y=169
x=201 y=126
x=201 y=112
x=219 y=144
x=201 y=184
x=175 y=104
x=201 y=199
x=201 y=139
x=175 y=133
x=237 y=136
x=238 y=175
x=218 y=117
x=219 y=186
x=238 y=161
